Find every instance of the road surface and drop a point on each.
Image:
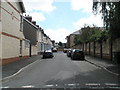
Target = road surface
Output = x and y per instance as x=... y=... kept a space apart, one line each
x=62 y=72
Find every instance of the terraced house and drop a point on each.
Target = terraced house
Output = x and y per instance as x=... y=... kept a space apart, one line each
x=20 y=37
x=30 y=30
x=12 y=37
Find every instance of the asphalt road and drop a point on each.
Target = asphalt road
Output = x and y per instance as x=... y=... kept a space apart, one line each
x=61 y=71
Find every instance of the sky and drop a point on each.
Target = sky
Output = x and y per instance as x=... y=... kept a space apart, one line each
x=59 y=18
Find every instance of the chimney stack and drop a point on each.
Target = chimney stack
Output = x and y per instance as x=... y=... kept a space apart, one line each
x=29 y=18
x=34 y=22
x=37 y=26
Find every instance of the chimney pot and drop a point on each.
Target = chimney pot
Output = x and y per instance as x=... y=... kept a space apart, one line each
x=34 y=22
x=29 y=18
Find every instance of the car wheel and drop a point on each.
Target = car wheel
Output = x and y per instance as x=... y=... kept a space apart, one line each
x=43 y=57
x=72 y=58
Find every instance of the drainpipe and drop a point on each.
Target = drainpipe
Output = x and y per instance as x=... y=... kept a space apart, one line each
x=30 y=50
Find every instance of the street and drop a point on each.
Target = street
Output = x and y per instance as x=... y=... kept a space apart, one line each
x=62 y=72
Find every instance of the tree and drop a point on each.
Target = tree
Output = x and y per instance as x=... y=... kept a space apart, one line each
x=111 y=16
x=91 y=34
x=77 y=39
x=60 y=44
x=84 y=36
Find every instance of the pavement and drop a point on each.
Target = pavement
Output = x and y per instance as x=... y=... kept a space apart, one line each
x=106 y=64
x=10 y=69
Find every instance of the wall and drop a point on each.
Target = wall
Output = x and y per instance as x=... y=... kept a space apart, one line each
x=72 y=40
x=98 y=50
x=10 y=47
x=11 y=18
x=0 y=35
x=0 y=47
x=106 y=49
x=34 y=50
x=11 y=34
x=116 y=45
x=25 y=48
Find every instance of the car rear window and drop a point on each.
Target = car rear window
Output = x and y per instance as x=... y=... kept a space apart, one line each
x=78 y=51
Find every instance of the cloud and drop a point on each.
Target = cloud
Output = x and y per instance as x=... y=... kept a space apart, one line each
x=39 y=5
x=85 y=5
x=93 y=19
x=58 y=34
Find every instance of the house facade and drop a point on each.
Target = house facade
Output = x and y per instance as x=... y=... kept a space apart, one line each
x=30 y=30
x=20 y=37
x=49 y=45
x=70 y=39
x=12 y=31
x=41 y=41
x=0 y=35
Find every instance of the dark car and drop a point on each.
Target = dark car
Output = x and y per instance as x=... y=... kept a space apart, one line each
x=47 y=54
x=77 y=54
x=69 y=51
x=54 y=49
x=65 y=50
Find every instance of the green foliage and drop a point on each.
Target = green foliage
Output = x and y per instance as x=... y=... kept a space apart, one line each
x=60 y=44
x=91 y=34
x=100 y=35
x=111 y=16
x=77 y=39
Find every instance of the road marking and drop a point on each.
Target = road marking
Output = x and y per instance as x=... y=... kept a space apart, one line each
x=111 y=84
x=92 y=84
x=56 y=85
x=28 y=86
x=71 y=84
x=5 y=87
x=49 y=85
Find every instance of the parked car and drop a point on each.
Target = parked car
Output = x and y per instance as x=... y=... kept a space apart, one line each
x=69 y=52
x=65 y=50
x=77 y=54
x=54 y=49
x=47 y=54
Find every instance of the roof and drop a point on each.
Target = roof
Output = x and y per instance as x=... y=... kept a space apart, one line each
x=76 y=32
x=30 y=22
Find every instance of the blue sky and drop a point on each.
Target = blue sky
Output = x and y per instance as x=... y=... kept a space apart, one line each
x=62 y=16
x=59 y=19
